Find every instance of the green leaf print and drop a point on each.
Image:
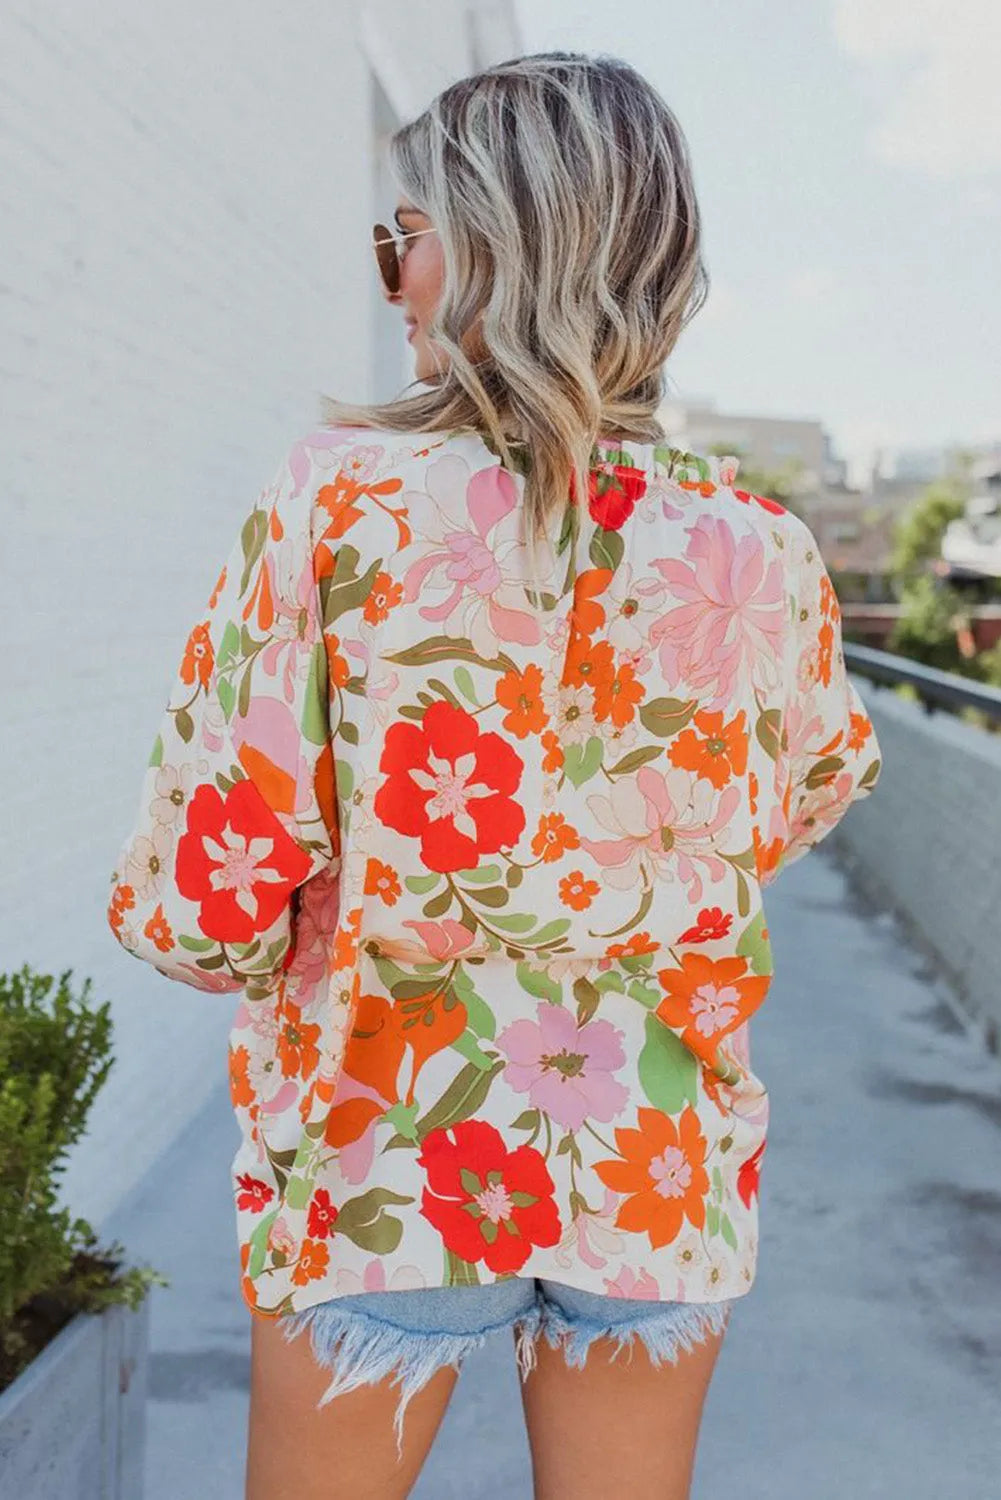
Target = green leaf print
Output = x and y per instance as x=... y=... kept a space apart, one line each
x=588 y=998
x=252 y=539
x=667 y=716
x=635 y=759
x=482 y=875
x=668 y=1071
x=581 y=762
x=461 y=1099
x=226 y=694
x=298 y=1191
x=404 y=1117
x=315 y=724
x=365 y=1223
x=464 y=682
x=460 y=1272
x=184 y=725
x=419 y=885
x=156 y=754
x=755 y=946
x=768 y=731
x=538 y=983
x=728 y=1232
x=448 y=648
x=259 y=1244
x=606 y=549
x=822 y=771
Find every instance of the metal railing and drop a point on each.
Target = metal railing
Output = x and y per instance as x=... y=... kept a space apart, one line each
x=936 y=689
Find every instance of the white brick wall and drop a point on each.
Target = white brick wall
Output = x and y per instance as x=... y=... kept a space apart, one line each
x=926 y=846
x=187 y=195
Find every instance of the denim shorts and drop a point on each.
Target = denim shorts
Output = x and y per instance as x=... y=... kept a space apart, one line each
x=363 y=1338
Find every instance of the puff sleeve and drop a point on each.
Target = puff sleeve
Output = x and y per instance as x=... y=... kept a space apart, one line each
x=832 y=753
x=238 y=808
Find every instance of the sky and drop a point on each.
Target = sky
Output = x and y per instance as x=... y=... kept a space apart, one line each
x=847 y=161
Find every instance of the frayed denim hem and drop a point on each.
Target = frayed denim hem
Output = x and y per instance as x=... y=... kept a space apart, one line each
x=664 y=1336
x=360 y=1349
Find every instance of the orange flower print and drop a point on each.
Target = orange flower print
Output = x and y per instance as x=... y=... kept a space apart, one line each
x=123 y=898
x=712 y=749
x=157 y=929
x=554 y=838
x=521 y=693
x=314 y=1258
x=345 y=946
x=587 y=615
x=663 y=1173
x=297 y=1049
x=708 y=997
x=616 y=697
x=553 y=758
x=576 y=892
x=220 y=585
x=340 y=670
x=635 y=947
x=711 y=923
x=589 y=664
x=199 y=657
x=385 y=595
x=382 y=881
x=241 y=1092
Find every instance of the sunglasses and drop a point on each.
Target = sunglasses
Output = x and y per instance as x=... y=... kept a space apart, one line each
x=390 y=249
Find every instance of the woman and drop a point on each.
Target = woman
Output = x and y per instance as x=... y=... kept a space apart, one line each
x=501 y=715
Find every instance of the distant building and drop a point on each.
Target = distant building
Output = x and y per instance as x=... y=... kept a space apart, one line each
x=763 y=443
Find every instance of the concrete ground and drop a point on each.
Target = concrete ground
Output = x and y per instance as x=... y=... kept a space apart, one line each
x=866 y=1358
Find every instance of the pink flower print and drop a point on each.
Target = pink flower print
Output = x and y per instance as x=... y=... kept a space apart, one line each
x=732 y=618
x=590 y=1237
x=640 y=1286
x=663 y=824
x=362 y=462
x=631 y=606
x=476 y=555
x=565 y=1069
x=295 y=628
x=374 y=1279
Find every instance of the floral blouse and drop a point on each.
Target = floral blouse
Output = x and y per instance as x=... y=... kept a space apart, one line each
x=478 y=840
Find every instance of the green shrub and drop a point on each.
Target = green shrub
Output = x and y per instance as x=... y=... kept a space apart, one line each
x=55 y=1054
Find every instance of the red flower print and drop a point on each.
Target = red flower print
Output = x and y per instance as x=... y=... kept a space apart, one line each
x=749 y=1176
x=712 y=923
x=255 y=1196
x=237 y=861
x=450 y=786
x=613 y=493
x=488 y=1203
x=322 y=1216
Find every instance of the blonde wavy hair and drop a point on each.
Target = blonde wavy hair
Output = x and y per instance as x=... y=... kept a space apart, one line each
x=561 y=188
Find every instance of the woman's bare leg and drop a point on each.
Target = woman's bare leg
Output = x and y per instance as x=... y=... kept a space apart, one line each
x=347 y=1449
x=618 y=1429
